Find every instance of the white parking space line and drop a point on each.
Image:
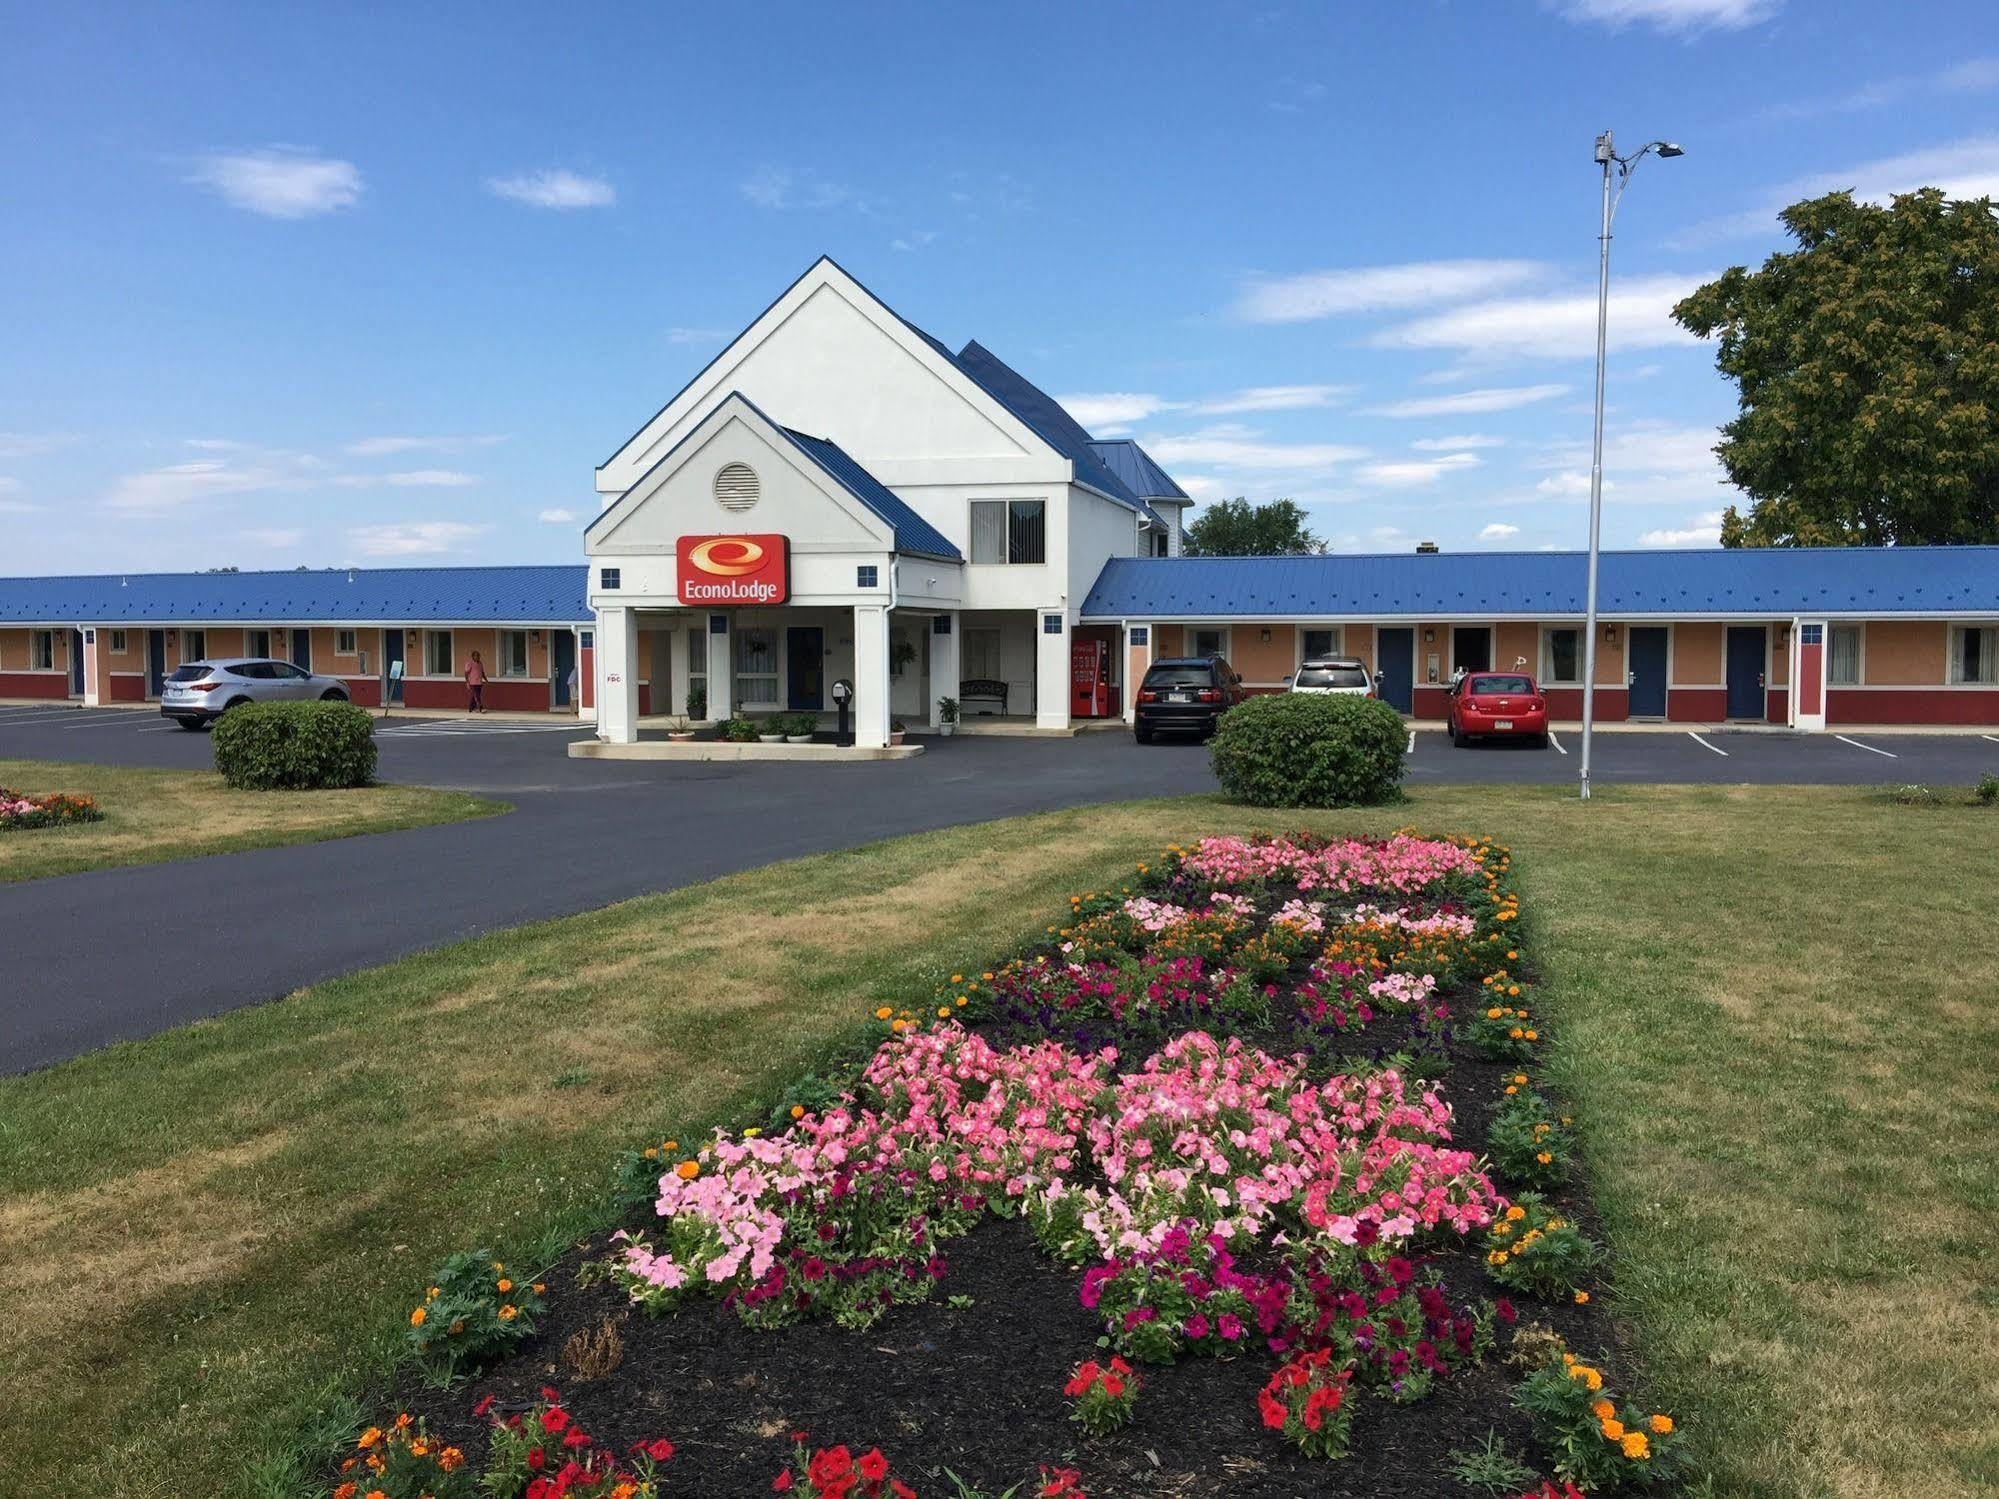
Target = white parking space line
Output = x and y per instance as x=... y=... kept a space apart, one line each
x=99 y=720
x=1555 y=744
x=1868 y=747
x=42 y=715
x=1412 y=743
x=1705 y=745
x=1994 y=738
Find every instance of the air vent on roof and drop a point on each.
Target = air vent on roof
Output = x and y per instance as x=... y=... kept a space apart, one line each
x=1426 y=549
x=736 y=486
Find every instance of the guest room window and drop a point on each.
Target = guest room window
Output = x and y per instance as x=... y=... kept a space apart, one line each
x=1842 y=667
x=1561 y=656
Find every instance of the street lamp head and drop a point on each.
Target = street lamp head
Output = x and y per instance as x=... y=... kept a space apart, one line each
x=1667 y=150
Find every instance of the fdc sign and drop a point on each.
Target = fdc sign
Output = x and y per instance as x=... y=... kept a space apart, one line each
x=734 y=569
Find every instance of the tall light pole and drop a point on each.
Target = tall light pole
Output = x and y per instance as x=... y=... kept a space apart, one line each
x=1606 y=158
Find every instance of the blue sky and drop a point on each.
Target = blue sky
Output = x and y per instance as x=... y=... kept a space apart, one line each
x=283 y=284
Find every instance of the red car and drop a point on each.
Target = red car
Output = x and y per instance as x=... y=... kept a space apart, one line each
x=1497 y=705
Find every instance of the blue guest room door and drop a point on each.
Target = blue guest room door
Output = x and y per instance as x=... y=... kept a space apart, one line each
x=805 y=668
x=1745 y=670
x=1395 y=660
x=1648 y=671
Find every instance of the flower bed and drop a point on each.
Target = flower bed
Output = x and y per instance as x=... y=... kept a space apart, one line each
x=1243 y=1172
x=20 y=811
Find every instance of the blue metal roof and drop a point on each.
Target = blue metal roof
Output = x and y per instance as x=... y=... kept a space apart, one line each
x=1728 y=583
x=1044 y=414
x=913 y=534
x=1136 y=468
x=386 y=595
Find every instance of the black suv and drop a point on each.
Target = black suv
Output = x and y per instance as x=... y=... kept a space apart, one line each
x=1185 y=694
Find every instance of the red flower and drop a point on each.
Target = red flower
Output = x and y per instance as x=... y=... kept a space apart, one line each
x=1273 y=1410
x=782 y=1483
x=900 y=1489
x=1113 y=1386
x=575 y=1438
x=554 y=1419
x=551 y=1394
x=485 y=1404
x=659 y=1449
x=874 y=1467
x=535 y=1459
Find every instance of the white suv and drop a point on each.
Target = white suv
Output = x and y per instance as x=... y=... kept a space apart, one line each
x=1342 y=676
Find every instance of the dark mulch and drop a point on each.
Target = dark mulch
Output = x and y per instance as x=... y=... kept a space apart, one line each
x=977 y=1387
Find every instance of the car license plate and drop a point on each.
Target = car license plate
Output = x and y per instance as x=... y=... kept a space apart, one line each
x=1504 y=723
x=1179 y=697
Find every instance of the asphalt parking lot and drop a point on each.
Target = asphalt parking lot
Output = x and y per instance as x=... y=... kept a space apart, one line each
x=585 y=833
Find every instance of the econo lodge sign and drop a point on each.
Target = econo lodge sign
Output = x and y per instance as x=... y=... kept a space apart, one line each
x=734 y=569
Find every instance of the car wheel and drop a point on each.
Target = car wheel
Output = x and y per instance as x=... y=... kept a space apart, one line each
x=333 y=695
x=234 y=702
x=1540 y=741
x=1141 y=733
x=190 y=724
x=1458 y=741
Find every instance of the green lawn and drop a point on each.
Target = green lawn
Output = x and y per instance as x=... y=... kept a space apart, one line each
x=1775 y=1011
x=154 y=815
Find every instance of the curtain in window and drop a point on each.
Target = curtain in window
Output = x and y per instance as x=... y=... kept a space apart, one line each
x=989 y=530
x=756 y=666
x=1976 y=659
x=1028 y=540
x=1565 y=651
x=1321 y=643
x=1843 y=664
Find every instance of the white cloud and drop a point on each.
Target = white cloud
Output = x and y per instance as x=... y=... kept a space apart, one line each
x=281 y=182
x=1671 y=15
x=1232 y=446
x=1498 y=531
x=1413 y=472
x=1568 y=483
x=414 y=539
x=557 y=516
x=1963 y=169
x=383 y=447
x=1094 y=409
x=423 y=478
x=1331 y=293
x=161 y=491
x=1645 y=463
x=913 y=241
x=1471 y=402
x=554 y=188
x=1459 y=444
x=1290 y=95
x=276 y=541
x=1555 y=327
x=1704 y=532
x=32 y=444
x=1276 y=398
x=1972 y=76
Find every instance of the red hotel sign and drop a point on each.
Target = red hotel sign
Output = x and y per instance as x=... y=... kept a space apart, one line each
x=734 y=569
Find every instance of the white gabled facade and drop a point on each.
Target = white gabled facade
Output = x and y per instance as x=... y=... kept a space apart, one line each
x=828 y=359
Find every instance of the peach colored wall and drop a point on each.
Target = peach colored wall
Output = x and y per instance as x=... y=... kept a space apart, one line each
x=1358 y=641
x=1166 y=640
x=1610 y=656
x=1257 y=660
x=1904 y=653
x=1697 y=654
x=1517 y=642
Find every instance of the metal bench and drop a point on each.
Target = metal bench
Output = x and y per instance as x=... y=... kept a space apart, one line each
x=988 y=688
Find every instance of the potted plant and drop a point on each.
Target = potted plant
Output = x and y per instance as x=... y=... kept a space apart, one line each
x=901 y=653
x=771 y=730
x=947 y=715
x=697 y=704
x=679 y=728
x=740 y=731
x=896 y=729
x=800 y=727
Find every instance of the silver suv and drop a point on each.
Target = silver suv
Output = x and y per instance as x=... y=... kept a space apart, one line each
x=202 y=691
x=1342 y=676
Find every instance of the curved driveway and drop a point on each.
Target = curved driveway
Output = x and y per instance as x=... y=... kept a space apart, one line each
x=89 y=959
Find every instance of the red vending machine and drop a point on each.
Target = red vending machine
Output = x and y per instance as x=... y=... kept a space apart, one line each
x=1089 y=679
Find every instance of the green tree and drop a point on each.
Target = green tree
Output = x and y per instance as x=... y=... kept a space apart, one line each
x=1236 y=528
x=1867 y=362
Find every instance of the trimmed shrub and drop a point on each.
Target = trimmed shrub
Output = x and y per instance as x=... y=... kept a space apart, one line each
x=1307 y=749
x=295 y=746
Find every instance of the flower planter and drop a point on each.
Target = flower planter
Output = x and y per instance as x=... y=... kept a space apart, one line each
x=770 y=738
x=798 y=738
x=895 y=738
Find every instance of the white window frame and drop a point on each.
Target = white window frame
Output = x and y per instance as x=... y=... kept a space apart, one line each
x=1859 y=653
x=1006 y=537
x=117 y=642
x=697 y=657
x=501 y=641
x=972 y=642
x=193 y=638
x=1194 y=634
x=1337 y=648
x=1546 y=674
x=739 y=639
x=249 y=640
x=41 y=650
x=346 y=642
x=431 y=654
x=1988 y=656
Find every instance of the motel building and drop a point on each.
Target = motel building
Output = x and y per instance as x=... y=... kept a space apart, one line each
x=839 y=499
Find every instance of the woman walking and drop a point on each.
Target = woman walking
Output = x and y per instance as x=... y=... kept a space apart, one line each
x=475 y=685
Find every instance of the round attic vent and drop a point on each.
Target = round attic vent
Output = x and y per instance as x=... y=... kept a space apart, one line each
x=736 y=486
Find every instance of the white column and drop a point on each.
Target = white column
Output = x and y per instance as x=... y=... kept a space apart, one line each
x=617 y=676
x=1131 y=672
x=586 y=676
x=1051 y=669
x=676 y=665
x=96 y=689
x=721 y=670
x=871 y=676
x=943 y=664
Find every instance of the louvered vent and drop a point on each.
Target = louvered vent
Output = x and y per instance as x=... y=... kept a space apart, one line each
x=736 y=487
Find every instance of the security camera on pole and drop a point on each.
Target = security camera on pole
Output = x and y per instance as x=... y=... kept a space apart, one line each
x=1606 y=158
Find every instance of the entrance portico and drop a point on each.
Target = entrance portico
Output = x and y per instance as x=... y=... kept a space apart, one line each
x=760 y=565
